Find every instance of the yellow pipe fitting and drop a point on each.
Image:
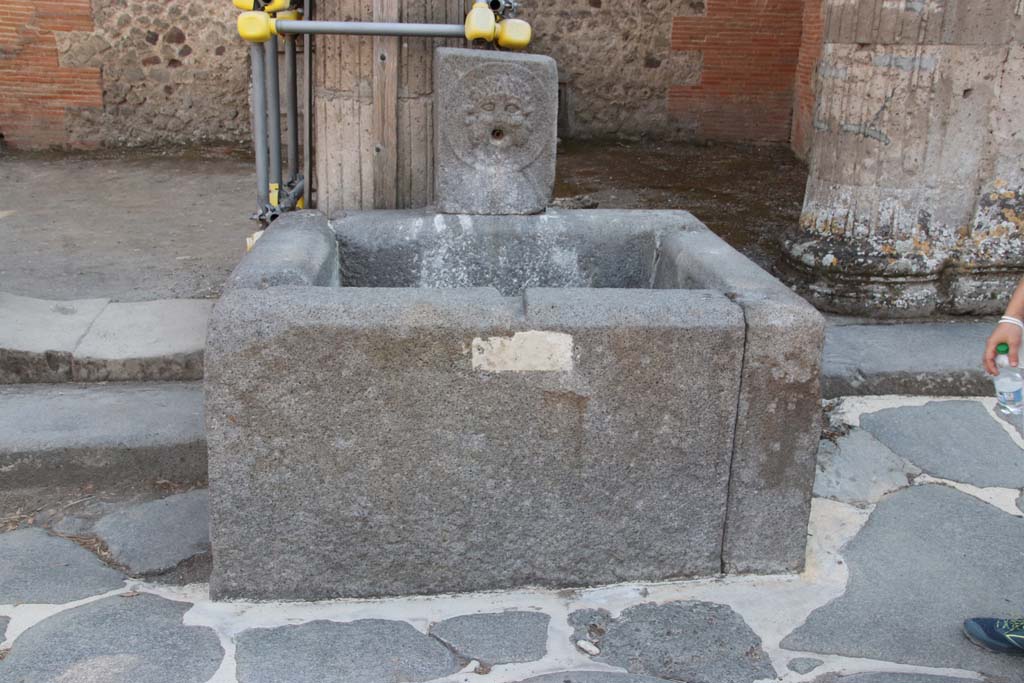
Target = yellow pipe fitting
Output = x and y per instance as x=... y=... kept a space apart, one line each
x=289 y=15
x=255 y=27
x=277 y=6
x=481 y=23
x=244 y=5
x=514 y=34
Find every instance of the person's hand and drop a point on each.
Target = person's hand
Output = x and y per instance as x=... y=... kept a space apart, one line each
x=1005 y=333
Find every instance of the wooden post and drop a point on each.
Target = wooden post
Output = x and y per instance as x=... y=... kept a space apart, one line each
x=374 y=126
x=385 y=110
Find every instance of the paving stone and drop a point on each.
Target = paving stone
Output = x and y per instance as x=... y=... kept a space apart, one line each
x=1020 y=503
x=887 y=677
x=697 y=642
x=499 y=638
x=75 y=433
x=592 y=677
x=857 y=469
x=804 y=665
x=38 y=336
x=3 y=627
x=148 y=340
x=157 y=535
x=927 y=359
x=928 y=558
x=955 y=440
x=368 y=651
x=137 y=639
x=38 y=568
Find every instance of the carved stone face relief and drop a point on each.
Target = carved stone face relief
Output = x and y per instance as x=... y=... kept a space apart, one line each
x=497 y=130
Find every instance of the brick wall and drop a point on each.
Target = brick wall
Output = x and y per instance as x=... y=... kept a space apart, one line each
x=134 y=72
x=803 y=90
x=38 y=92
x=749 y=52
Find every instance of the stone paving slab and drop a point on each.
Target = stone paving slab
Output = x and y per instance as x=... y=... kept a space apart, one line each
x=95 y=340
x=928 y=558
x=956 y=440
x=592 y=677
x=804 y=665
x=149 y=340
x=919 y=359
x=885 y=677
x=39 y=568
x=499 y=638
x=138 y=639
x=156 y=536
x=54 y=434
x=368 y=651
x=858 y=469
x=697 y=642
x=38 y=337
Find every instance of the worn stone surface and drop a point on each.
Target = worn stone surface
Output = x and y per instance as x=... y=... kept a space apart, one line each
x=367 y=650
x=901 y=563
x=955 y=440
x=577 y=419
x=155 y=536
x=917 y=359
x=779 y=421
x=884 y=677
x=499 y=638
x=495 y=131
x=700 y=642
x=39 y=568
x=859 y=470
x=3 y=627
x=804 y=665
x=75 y=433
x=148 y=340
x=299 y=248
x=138 y=639
x=600 y=248
x=592 y=677
x=904 y=221
x=38 y=336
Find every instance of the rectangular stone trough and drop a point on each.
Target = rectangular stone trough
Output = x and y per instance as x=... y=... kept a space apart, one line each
x=411 y=403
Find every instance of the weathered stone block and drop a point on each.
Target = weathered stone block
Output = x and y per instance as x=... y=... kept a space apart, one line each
x=559 y=400
x=496 y=128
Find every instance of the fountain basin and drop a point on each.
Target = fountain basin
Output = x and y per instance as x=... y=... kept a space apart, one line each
x=404 y=402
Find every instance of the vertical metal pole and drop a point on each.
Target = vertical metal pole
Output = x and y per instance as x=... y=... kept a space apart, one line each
x=274 y=111
x=259 y=124
x=291 y=107
x=307 y=134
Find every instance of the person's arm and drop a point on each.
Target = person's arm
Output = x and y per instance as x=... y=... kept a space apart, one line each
x=1006 y=333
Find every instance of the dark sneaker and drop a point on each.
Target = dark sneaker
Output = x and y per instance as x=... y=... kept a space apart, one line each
x=1005 y=636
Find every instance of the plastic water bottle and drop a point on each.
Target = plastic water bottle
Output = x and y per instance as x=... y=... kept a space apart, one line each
x=1009 y=383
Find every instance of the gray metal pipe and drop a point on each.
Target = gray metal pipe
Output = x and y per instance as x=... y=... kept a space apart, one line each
x=307 y=139
x=370 y=28
x=291 y=95
x=274 y=110
x=259 y=125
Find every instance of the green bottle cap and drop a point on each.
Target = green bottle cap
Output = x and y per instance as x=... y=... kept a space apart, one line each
x=1003 y=348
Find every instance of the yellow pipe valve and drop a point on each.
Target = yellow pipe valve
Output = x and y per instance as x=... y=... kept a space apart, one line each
x=514 y=34
x=481 y=23
x=276 y=6
x=255 y=27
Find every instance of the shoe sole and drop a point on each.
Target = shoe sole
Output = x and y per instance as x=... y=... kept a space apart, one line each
x=986 y=648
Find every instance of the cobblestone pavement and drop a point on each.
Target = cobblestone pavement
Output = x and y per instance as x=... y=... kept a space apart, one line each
x=916 y=525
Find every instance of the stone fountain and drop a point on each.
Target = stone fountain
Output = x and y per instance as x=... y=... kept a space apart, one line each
x=492 y=394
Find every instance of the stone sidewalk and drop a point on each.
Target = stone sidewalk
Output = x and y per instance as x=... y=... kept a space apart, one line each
x=916 y=525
